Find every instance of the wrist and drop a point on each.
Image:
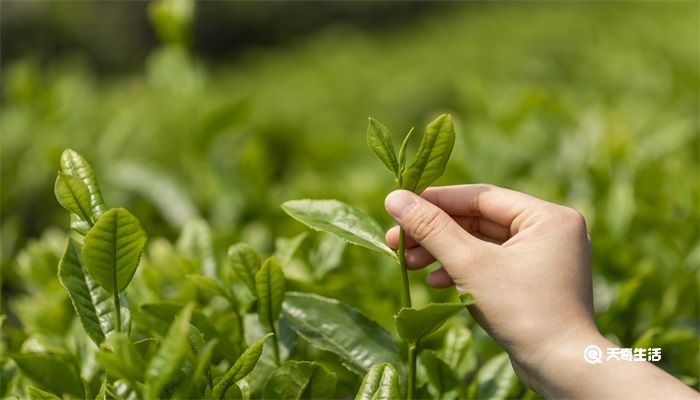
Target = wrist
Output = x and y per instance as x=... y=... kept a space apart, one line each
x=554 y=360
x=573 y=368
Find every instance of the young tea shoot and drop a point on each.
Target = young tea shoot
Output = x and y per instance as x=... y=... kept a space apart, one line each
x=349 y=223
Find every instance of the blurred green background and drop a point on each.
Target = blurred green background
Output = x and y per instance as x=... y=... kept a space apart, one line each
x=226 y=110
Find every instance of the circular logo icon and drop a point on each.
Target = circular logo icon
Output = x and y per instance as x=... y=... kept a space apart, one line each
x=593 y=354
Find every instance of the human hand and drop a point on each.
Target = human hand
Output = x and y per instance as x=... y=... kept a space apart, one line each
x=527 y=264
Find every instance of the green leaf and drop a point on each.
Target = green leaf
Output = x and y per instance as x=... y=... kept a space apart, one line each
x=57 y=373
x=413 y=324
x=496 y=379
x=340 y=219
x=285 y=248
x=38 y=394
x=167 y=311
x=73 y=195
x=430 y=159
x=300 y=380
x=197 y=373
x=122 y=390
x=171 y=354
x=209 y=287
x=458 y=351
x=93 y=305
x=402 y=151
x=380 y=383
x=379 y=141
x=120 y=359
x=441 y=377
x=112 y=249
x=327 y=256
x=104 y=306
x=336 y=327
x=72 y=277
x=75 y=165
x=233 y=393
x=245 y=263
x=195 y=241
x=270 y=286
x=102 y=393
x=147 y=347
x=243 y=366
x=8 y=369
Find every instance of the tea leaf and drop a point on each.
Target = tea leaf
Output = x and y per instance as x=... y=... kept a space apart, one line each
x=123 y=360
x=458 y=351
x=402 y=151
x=196 y=375
x=51 y=371
x=413 y=324
x=327 y=256
x=112 y=249
x=171 y=354
x=196 y=242
x=73 y=195
x=441 y=376
x=102 y=393
x=245 y=263
x=208 y=286
x=75 y=165
x=380 y=383
x=379 y=141
x=300 y=380
x=167 y=311
x=38 y=394
x=496 y=379
x=243 y=366
x=336 y=327
x=285 y=248
x=92 y=304
x=72 y=277
x=122 y=390
x=104 y=306
x=428 y=164
x=340 y=219
x=270 y=286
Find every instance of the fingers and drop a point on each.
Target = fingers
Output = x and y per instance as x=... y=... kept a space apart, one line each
x=430 y=226
x=418 y=257
x=492 y=203
x=479 y=227
x=440 y=279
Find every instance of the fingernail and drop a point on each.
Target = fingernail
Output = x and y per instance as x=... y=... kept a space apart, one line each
x=399 y=202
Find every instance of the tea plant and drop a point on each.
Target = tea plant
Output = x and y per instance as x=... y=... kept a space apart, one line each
x=164 y=321
x=351 y=224
x=97 y=268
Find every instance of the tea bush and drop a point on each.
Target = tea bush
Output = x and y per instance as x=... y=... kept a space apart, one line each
x=589 y=104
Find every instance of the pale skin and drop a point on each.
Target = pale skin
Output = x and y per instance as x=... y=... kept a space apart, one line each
x=527 y=263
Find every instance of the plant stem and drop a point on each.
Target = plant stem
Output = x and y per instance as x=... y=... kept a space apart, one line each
x=117 y=312
x=406 y=302
x=411 y=377
x=406 y=295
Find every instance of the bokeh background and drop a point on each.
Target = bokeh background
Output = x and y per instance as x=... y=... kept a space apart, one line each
x=220 y=111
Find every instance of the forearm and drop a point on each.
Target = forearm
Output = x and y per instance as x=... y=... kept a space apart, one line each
x=563 y=372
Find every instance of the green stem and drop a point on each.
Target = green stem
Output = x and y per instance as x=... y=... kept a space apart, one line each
x=411 y=377
x=406 y=302
x=117 y=312
x=406 y=295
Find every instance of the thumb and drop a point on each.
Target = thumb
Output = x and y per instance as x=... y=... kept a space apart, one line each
x=434 y=229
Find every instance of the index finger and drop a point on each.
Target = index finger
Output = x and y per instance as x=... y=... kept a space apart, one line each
x=502 y=206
